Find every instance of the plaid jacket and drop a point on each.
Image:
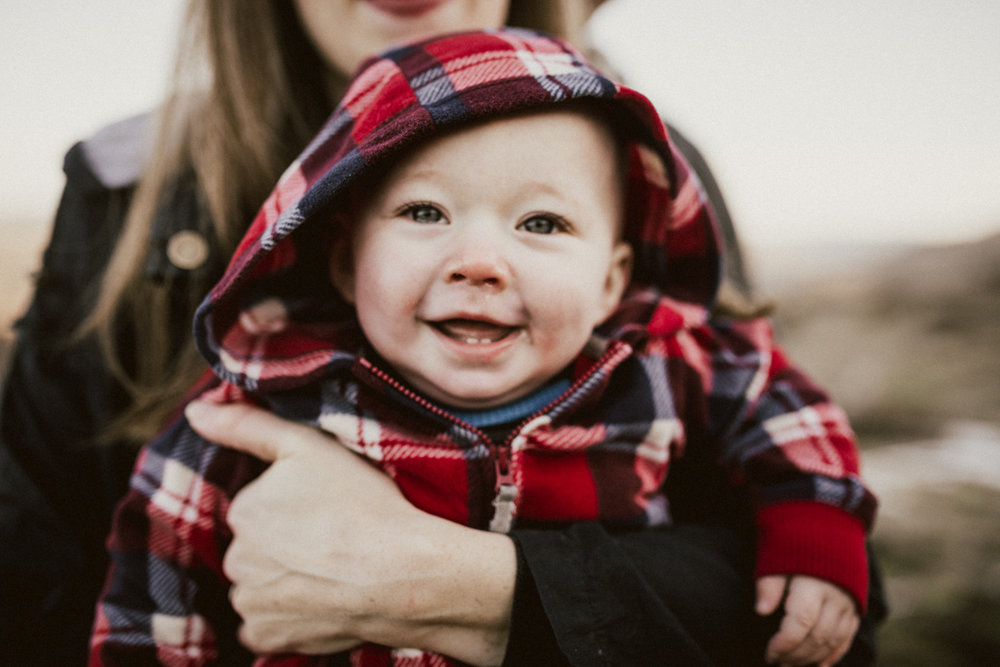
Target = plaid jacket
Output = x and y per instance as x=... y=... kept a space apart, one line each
x=659 y=383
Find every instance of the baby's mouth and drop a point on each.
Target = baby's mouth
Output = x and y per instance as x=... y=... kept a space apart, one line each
x=473 y=332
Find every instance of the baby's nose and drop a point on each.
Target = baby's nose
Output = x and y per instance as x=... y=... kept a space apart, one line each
x=481 y=267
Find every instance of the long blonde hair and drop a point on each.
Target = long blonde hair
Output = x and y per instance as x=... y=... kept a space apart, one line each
x=247 y=93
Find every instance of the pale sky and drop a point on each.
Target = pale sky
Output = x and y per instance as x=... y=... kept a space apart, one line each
x=844 y=120
x=829 y=122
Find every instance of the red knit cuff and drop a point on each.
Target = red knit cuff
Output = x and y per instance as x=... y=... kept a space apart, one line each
x=816 y=540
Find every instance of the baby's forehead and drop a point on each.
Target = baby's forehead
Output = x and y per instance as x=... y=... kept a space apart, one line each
x=554 y=128
x=536 y=125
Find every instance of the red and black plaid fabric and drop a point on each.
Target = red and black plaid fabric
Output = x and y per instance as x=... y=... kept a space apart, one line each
x=660 y=381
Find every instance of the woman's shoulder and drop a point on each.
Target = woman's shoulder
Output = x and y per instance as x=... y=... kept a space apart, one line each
x=101 y=174
x=117 y=153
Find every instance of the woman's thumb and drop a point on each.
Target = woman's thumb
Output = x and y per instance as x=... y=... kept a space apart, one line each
x=240 y=426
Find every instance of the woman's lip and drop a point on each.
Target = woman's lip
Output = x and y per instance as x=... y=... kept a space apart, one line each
x=407 y=8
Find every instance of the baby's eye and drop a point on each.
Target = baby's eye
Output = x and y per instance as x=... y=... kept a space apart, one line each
x=423 y=213
x=543 y=224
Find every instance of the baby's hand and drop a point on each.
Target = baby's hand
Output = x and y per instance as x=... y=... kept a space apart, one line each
x=819 y=623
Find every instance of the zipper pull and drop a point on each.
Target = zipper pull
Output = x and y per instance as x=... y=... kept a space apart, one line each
x=505 y=501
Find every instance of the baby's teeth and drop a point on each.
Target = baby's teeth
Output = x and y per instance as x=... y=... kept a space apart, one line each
x=475 y=341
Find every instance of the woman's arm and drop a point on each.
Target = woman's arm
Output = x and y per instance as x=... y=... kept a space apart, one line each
x=327 y=553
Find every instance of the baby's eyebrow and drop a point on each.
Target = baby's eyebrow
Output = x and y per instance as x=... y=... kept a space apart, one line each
x=536 y=187
x=429 y=173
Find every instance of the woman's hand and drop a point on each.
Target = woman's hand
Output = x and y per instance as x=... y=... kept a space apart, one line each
x=819 y=624
x=327 y=553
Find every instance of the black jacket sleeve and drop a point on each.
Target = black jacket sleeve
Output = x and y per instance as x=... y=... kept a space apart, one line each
x=670 y=596
x=677 y=595
x=57 y=490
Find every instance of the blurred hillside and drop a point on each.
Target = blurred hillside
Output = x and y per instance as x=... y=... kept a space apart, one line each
x=908 y=341
x=905 y=339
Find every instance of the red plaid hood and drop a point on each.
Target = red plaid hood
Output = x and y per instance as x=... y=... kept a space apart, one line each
x=406 y=96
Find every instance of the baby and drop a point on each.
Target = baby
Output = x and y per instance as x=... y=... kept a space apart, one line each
x=491 y=275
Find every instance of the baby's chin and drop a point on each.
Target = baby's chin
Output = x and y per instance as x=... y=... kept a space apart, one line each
x=474 y=394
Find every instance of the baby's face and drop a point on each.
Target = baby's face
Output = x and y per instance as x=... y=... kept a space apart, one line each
x=486 y=258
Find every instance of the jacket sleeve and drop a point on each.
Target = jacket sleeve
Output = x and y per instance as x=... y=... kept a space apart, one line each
x=166 y=597
x=793 y=451
x=57 y=490
x=676 y=595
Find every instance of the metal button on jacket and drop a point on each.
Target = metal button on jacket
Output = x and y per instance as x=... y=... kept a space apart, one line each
x=187 y=249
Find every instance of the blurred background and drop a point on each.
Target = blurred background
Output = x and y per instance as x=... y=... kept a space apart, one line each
x=858 y=147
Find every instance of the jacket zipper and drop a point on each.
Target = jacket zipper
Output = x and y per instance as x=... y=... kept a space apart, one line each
x=505 y=500
x=505 y=486
x=505 y=489
x=617 y=352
